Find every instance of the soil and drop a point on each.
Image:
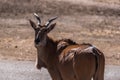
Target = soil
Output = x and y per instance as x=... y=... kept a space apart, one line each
x=90 y=21
x=25 y=70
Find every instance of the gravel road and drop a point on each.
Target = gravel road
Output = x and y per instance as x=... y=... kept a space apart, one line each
x=25 y=70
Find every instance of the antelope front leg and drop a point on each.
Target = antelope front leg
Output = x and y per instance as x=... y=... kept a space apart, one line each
x=55 y=74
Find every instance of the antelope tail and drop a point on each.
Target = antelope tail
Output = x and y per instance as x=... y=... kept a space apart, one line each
x=100 y=63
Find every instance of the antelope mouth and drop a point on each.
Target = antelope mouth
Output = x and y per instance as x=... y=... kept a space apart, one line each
x=37 y=41
x=40 y=44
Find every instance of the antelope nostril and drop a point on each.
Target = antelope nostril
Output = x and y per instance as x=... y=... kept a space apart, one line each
x=37 y=41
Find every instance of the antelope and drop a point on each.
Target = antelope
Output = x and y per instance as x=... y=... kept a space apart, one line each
x=65 y=59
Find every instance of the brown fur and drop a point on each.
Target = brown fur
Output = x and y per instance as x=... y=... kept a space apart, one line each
x=65 y=59
x=65 y=63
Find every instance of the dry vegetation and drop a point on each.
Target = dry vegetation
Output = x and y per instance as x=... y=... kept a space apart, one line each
x=95 y=21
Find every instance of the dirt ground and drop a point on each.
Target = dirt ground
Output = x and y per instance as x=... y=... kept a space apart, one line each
x=91 y=21
x=24 y=70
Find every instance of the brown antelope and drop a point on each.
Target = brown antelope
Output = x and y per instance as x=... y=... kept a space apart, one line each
x=65 y=59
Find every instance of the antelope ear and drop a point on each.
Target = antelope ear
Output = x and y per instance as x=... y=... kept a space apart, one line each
x=33 y=25
x=51 y=27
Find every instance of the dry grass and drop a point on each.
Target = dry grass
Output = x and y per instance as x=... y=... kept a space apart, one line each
x=14 y=8
x=109 y=1
x=96 y=23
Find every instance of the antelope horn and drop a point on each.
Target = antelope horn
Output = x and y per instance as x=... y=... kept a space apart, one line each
x=38 y=18
x=50 y=20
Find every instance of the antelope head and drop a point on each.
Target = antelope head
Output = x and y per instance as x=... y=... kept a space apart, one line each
x=41 y=30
